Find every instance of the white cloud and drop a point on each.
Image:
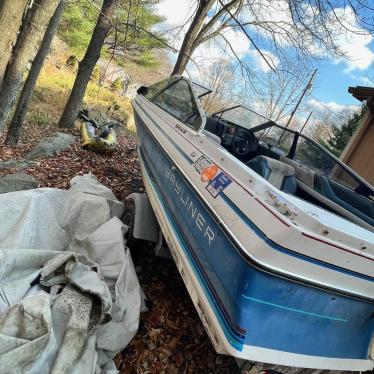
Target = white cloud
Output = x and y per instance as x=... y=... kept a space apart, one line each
x=354 y=42
x=238 y=41
x=359 y=55
x=260 y=63
x=331 y=105
x=176 y=12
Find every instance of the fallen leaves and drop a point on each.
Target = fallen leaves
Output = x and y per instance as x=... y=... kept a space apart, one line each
x=171 y=338
x=119 y=171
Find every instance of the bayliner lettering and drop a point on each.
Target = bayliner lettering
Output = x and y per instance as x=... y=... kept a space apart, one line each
x=193 y=213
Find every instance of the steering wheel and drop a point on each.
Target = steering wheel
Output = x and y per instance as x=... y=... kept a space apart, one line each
x=244 y=142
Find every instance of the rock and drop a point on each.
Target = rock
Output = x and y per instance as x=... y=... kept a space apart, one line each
x=17 y=182
x=130 y=90
x=112 y=71
x=51 y=145
x=17 y=164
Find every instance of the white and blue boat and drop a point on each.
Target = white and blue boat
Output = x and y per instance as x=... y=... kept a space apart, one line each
x=272 y=234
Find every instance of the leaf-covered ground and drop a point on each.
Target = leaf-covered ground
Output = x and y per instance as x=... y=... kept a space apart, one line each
x=119 y=170
x=171 y=338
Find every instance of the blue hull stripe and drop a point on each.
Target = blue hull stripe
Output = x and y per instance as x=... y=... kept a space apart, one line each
x=237 y=330
x=260 y=234
x=294 y=310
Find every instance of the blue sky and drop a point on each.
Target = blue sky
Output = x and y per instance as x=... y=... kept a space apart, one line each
x=332 y=81
x=334 y=76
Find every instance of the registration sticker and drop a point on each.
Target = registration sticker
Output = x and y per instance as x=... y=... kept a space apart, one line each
x=218 y=184
x=201 y=163
x=209 y=173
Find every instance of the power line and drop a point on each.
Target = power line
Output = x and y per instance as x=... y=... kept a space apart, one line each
x=326 y=107
x=310 y=114
x=307 y=87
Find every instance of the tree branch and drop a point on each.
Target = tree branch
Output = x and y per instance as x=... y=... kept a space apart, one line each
x=249 y=38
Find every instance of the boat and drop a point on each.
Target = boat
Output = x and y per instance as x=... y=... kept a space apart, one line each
x=272 y=234
x=101 y=139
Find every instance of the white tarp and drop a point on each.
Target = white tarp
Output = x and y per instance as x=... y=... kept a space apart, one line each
x=69 y=295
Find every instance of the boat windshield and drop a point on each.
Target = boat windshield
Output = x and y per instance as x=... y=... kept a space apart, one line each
x=242 y=116
x=296 y=147
x=200 y=90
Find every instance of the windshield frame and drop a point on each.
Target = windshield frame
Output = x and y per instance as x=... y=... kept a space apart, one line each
x=220 y=113
x=173 y=80
x=291 y=154
x=198 y=86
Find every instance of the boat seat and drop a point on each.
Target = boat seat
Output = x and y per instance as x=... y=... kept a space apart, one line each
x=214 y=125
x=279 y=174
x=335 y=196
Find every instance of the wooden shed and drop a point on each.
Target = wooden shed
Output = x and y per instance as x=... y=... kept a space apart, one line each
x=359 y=152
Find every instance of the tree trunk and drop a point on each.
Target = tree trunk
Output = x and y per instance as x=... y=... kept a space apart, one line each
x=26 y=47
x=188 y=46
x=11 y=12
x=87 y=65
x=24 y=99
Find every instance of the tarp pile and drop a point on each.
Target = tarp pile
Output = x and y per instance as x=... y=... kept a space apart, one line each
x=69 y=295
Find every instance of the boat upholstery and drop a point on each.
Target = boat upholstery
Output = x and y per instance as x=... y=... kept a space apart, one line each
x=361 y=207
x=333 y=195
x=302 y=173
x=214 y=125
x=276 y=172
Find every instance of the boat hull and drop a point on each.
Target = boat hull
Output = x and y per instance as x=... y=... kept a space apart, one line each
x=248 y=311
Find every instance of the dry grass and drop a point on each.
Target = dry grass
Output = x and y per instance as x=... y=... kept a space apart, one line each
x=53 y=89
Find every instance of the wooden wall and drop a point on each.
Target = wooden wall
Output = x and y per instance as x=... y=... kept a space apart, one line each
x=359 y=152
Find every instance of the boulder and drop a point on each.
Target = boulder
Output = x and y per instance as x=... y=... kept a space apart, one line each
x=130 y=90
x=17 y=182
x=51 y=145
x=17 y=164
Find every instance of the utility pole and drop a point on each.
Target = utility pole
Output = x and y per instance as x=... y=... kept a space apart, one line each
x=301 y=97
x=310 y=114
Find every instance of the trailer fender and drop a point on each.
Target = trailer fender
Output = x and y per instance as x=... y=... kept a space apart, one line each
x=145 y=223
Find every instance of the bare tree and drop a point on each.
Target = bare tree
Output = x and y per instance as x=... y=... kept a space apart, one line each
x=28 y=88
x=275 y=95
x=219 y=77
x=26 y=47
x=310 y=28
x=319 y=130
x=204 y=28
x=11 y=12
x=87 y=64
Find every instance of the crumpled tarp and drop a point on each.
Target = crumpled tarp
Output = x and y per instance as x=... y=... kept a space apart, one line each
x=69 y=295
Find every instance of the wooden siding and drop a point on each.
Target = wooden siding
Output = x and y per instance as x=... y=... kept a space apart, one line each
x=359 y=152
